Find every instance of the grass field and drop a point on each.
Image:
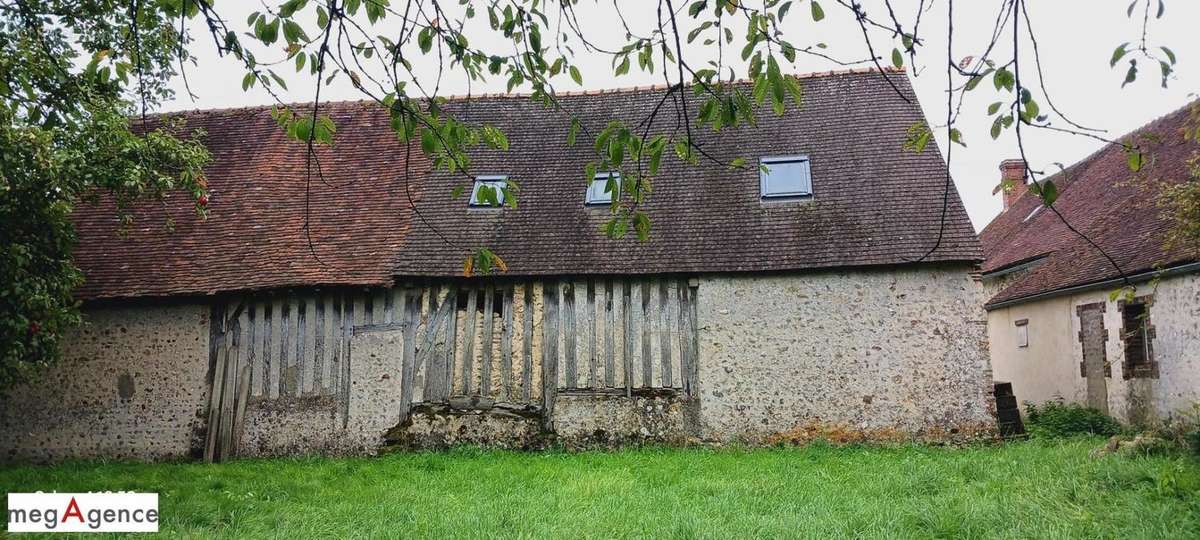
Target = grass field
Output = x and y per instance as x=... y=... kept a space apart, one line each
x=1015 y=490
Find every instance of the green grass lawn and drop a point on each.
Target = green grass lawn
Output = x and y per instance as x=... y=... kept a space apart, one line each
x=1015 y=490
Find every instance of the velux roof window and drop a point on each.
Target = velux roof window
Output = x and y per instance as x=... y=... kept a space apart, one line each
x=602 y=188
x=783 y=177
x=488 y=191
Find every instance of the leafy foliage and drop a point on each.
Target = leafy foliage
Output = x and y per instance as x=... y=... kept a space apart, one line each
x=65 y=137
x=1055 y=419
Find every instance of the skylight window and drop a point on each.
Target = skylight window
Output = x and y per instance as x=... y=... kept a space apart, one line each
x=493 y=195
x=601 y=190
x=785 y=177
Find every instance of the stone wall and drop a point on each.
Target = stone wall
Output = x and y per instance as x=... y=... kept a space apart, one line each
x=1048 y=367
x=132 y=383
x=872 y=350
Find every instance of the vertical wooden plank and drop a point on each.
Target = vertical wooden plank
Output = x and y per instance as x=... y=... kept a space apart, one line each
x=268 y=308
x=389 y=309
x=627 y=334
x=284 y=345
x=568 y=328
x=685 y=343
x=343 y=390
x=693 y=337
x=301 y=339
x=239 y=417
x=451 y=340
x=610 y=365
x=216 y=344
x=527 y=345
x=429 y=357
x=368 y=307
x=506 y=336
x=549 y=348
x=335 y=346
x=319 y=346
x=647 y=320
x=468 y=371
x=590 y=321
x=664 y=333
x=408 y=357
x=228 y=391
x=485 y=379
x=252 y=327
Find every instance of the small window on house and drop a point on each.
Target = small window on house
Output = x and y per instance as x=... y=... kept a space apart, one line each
x=785 y=177
x=601 y=190
x=1137 y=335
x=481 y=197
x=1022 y=333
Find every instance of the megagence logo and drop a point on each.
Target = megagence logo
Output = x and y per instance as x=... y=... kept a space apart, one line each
x=82 y=512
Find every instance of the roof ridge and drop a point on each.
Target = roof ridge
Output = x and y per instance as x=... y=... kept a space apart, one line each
x=486 y=95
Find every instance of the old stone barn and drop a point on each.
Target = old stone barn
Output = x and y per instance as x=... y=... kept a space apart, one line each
x=764 y=301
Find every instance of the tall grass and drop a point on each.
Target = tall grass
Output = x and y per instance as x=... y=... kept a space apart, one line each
x=1044 y=489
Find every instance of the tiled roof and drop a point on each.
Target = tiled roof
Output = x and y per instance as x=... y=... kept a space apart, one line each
x=874 y=203
x=1114 y=207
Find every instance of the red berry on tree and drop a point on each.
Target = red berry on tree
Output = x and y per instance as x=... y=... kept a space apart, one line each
x=202 y=200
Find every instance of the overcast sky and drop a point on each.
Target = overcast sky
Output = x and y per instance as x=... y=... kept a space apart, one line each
x=1076 y=39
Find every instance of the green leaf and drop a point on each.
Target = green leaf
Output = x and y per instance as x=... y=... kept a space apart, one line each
x=576 y=75
x=696 y=8
x=1135 y=159
x=248 y=81
x=1049 y=192
x=1170 y=54
x=994 y=107
x=817 y=12
x=1130 y=75
x=1118 y=54
x=457 y=192
x=897 y=58
x=573 y=131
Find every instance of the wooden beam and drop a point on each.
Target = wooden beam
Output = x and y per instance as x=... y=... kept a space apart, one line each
x=268 y=307
x=343 y=391
x=549 y=350
x=252 y=328
x=647 y=320
x=284 y=343
x=568 y=319
x=610 y=365
x=664 y=332
x=485 y=378
x=627 y=334
x=335 y=345
x=527 y=343
x=506 y=335
x=694 y=337
x=301 y=341
x=427 y=357
x=319 y=347
x=408 y=355
x=590 y=321
x=469 y=342
x=451 y=340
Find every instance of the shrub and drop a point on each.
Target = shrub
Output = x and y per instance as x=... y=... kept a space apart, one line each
x=1058 y=419
x=1182 y=429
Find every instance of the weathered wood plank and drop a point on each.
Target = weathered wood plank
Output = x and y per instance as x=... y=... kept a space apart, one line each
x=301 y=342
x=389 y=307
x=664 y=333
x=368 y=307
x=217 y=388
x=284 y=344
x=425 y=371
x=468 y=371
x=335 y=346
x=506 y=336
x=408 y=358
x=268 y=306
x=451 y=342
x=343 y=391
x=229 y=391
x=319 y=346
x=569 y=334
x=694 y=338
x=527 y=343
x=485 y=368
x=610 y=364
x=252 y=328
x=685 y=343
x=590 y=321
x=550 y=292
x=627 y=334
x=647 y=321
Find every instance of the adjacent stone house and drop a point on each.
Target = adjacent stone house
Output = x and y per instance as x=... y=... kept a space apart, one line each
x=1055 y=329
x=763 y=302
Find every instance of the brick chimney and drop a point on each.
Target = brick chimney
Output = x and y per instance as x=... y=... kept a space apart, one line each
x=1014 y=181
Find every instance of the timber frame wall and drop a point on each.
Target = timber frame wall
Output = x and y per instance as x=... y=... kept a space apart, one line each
x=605 y=335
